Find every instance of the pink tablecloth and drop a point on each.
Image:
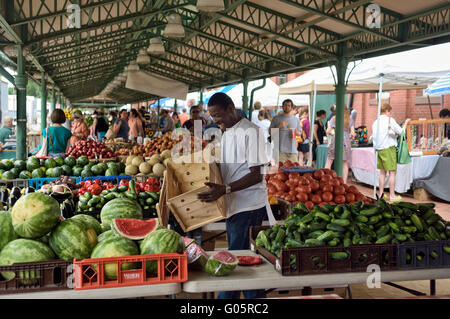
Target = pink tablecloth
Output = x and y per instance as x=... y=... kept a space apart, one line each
x=363 y=158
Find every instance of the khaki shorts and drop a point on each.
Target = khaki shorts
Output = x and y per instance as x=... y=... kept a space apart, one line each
x=283 y=157
x=387 y=159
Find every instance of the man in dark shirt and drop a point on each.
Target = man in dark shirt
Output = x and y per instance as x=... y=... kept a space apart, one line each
x=121 y=127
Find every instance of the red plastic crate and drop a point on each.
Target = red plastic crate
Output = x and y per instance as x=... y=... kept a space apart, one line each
x=172 y=268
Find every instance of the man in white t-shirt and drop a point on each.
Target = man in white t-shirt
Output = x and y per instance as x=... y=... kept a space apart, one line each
x=255 y=112
x=243 y=156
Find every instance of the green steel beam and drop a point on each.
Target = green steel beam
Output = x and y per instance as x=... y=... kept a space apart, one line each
x=43 y=102
x=7 y=75
x=21 y=84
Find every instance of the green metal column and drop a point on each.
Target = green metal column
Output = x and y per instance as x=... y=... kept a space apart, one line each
x=245 y=97
x=53 y=105
x=43 y=102
x=175 y=106
x=21 y=84
x=341 y=69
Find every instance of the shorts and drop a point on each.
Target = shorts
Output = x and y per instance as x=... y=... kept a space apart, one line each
x=304 y=148
x=283 y=157
x=387 y=159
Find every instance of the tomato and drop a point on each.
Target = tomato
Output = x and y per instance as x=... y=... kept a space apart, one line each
x=339 y=199
x=327 y=188
x=307 y=189
x=124 y=182
x=281 y=177
x=333 y=174
x=360 y=197
x=293 y=175
x=98 y=182
x=289 y=183
x=314 y=186
x=309 y=205
x=350 y=197
x=339 y=190
x=302 y=197
x=326 y=178
x=318 y=174
x=292 y=192
x=308 y=175
x=334 y=182
x=271 y=189
x=305 y=181
x=340 y=179
x=346 y=187
x=95 y=189
x=353 y=189
x=327 y=197
x=316 y=199
x=322 y=203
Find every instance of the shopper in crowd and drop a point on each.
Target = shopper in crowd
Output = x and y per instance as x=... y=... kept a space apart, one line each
x=264 y=124
x=385 y=143
x=445 y=114
x=169 y=125
x=112 y=117
x=353 y=114
x=319 y=132
x=303 y=139
x=142 y=116
x=255 y=112
x=243 y=183
x=80 y=130
x=6 y=130
x=176 y=119
x=135 y=124
x=121 y=127
x=349 y=131
x=333 y=113
x=101 y=126
x=195 y=116
x=183 y=116
x=288 y=127
x=58 y=144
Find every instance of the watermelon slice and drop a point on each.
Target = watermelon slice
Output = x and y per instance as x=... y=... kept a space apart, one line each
x=196 y=256
x=188 y=241
x=135 y=229
x=221 y=263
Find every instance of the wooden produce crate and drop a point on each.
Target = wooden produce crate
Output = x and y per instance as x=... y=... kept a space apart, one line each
x=162 y=209
x=184 y=182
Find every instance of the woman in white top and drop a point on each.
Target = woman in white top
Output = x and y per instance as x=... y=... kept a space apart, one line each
x=264 y=123
x=385 y=143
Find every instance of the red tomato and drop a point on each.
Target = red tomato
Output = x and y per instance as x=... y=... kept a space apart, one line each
x=340 y=179
x=309 y=205
x=292 y=192
x=271 y=189
x=339 y=199
x=333 y=174
x=316 y=199
x=293 y=175
x=350 y=197
x=308 y=175
x=302 y=197
x=282 y=177
x=334 y=182
x=339 y=190
x=305 y=181
x=327 y=197
x=326 y=178
x=289 y=183
x=346 y=187
x=314 y=186
x=353 y=189
x=359 y=197
x=318 y=174
x=307 y=189
x=326 y=188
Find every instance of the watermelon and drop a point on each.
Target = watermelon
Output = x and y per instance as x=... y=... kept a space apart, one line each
x=135 y=229
x=90 y=222
x=111 y=172
x=50 y=163
x=35 y=214
x=77 y=171
x=20 y=165
x=66 y=170
x=8 y=164
x=71 y=161
x=82 y=161
x=49 y=172
x=97 y=170
x=86 y=172
x=188 y=241
x=196 y=256
x=221 y=263
x=161 y=241
x=25 y=175
x=107 y=234
x=8 y=175
x=57 y=171
x=119 y=208
x=71 y=240
x=115 y=246
x=59 y=161
x=7 y=232
x=37 y=173
x=32 y=164
x=24 y=250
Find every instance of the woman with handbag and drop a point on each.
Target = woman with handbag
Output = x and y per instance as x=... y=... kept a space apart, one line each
x=349 y=132
x=385 y=143
x=56 y=137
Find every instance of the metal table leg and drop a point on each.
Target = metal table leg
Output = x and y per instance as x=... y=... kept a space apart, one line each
x=432 y=287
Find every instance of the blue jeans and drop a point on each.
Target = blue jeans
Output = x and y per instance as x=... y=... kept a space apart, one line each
x=238 y=234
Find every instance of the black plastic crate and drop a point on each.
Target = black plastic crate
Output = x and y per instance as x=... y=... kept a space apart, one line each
x=10 y=183
x=423 y=249
x=317 y=260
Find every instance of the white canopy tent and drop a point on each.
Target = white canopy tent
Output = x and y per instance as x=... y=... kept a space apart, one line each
x=400 y=71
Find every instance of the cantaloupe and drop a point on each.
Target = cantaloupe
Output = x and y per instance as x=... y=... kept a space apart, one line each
x=138 y=160
x=131 y=170
x=130 y=159
x=145 y=168
x=153 y=160
x=166 y=154
x=158 y=169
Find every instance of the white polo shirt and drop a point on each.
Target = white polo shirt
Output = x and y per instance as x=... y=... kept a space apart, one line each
x=242 y=147
x=384 y=140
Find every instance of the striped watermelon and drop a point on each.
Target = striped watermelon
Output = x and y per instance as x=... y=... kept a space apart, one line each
x=161 y=241
x=107 y=234
x=90 y=222
x=119 y=208
x=221 y=263
x=115 y=246
x=35 y=214
x=24 y=250
x=71 y=240
x=7 y=232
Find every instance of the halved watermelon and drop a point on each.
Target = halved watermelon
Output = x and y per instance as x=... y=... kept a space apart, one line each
x=188 y=241
x=221 y=263
x=135 y=229
x=196 y=256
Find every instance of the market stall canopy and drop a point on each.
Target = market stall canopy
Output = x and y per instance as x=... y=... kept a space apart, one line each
x=83 y=49
x=440 y=87
x=414 y=69
x=144 y=81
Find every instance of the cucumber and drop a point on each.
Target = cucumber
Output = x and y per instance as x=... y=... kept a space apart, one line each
x=394 y=227
x=334 y=242
x=335 y=227
x=341 y=222
x=314 y=242
x=447 y=249
x=315 y=234
x=417 y=222
x=384 y=239
x=323 y=216
x=307 y=218
x=361 y=219
x=345 y=214
x=374 y=219
x=317 y=226
x=408 y=205
x=401 y=237
x=433 y=219
x=295 y=243
x=433 y=233
x=326 y=235
x=387 y=215
x=280 y=235
x=347 y=242
x=434 y=255
x=340 y=255
x=409 y=229
x=369 y=212
x=383 y=231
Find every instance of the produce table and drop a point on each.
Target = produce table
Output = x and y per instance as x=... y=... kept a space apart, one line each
x=265 y=276
x=363 y=165
x=109 y=293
